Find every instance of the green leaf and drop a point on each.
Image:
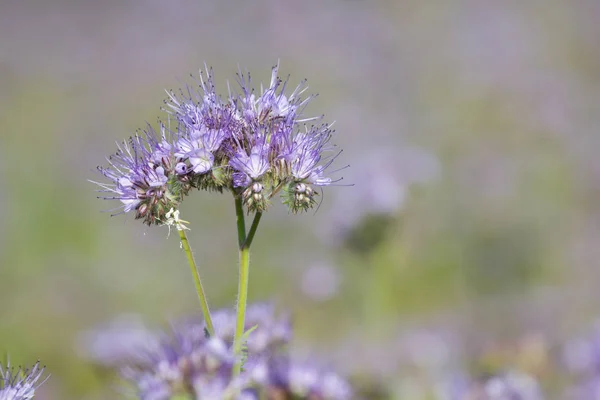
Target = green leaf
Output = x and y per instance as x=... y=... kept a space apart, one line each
x=246 y=334
x=244 y=347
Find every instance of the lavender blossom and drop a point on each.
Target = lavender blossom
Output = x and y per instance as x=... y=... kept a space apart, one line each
x=292 y=379
x=144 y=177
x=581 y=357
x=184 y=364
x=254 y=145
x=301 y=158
x=20 y=384
x=189 y=364
x=271 y=104
x=271 y=332
x=126 y=339
x=257 y=142
x=511 y=385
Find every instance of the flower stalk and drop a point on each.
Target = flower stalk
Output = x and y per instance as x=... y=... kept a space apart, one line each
x=254 y=144
x=244 y=242
x=201 y=295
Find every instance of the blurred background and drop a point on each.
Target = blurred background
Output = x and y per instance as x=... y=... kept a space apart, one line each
x=468 y=245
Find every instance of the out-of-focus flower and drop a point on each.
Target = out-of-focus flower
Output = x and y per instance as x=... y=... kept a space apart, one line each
x=321 y=281
x=581 y=356
x=385 y=176
x=188 y=363
x=510 y=385
x=20 y=384
x=270 y=334
x=289 y=378
x=185 y=365
x=124 y=340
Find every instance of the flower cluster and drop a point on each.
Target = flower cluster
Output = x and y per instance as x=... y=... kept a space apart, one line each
x=581 y=357
x=189 y=364
x=255 y=145
x=20 y=384
x=270 y=334
x=512 y=384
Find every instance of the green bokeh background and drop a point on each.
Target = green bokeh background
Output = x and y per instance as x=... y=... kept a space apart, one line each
x=500 y=246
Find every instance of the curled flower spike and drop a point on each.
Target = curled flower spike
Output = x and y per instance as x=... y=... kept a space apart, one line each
x=20 y=384
x=144 y=177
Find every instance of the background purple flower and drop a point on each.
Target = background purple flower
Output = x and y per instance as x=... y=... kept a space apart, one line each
x=20 y=384
x=187 y=362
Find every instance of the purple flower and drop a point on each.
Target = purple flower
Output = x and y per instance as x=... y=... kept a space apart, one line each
x=271 y=331
x=248 y=174
x=143 y=177
x=581 y=356
x=306 y=154
x=299 y=379
x=213 y=138
x=262 y=137
x=201 y=111
x=512 y=384
x=20 y=384
x=304 y=160
x=195 y=108
x=249 y=168
x=200 y=159
x=272 y=104
x=124 y=340
x=186 y=362
x=255 y=145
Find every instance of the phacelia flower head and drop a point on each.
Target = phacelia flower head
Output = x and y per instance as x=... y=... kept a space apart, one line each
x=260 y=143
x=254 y=144
x=20 y=384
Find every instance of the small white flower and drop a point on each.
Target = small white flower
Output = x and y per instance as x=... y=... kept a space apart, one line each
x=173 y=220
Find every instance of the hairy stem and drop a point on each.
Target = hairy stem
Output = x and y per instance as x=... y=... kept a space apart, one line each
x=244 y=243
x=198 y=283
x=241 y=222
x=252 y=230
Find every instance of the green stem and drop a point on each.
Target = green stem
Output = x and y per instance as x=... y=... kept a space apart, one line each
x=199 y=289
x=241 y=307
x=241 y=223
x=244 y=250
x=252 y=231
